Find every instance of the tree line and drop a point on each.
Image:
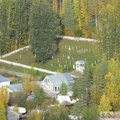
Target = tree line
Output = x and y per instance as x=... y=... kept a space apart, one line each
x=21 y=21
x=98 y=90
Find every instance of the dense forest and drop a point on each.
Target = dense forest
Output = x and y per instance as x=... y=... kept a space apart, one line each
x=24 y=22
x=84 y=18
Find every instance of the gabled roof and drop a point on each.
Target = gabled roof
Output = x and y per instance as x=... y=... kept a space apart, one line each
x=3 y=79
x=61 y=78
x=15 y=87
x=80 y=62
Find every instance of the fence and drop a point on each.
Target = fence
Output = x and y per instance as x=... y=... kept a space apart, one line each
x=26 y=66
x=76 y=38
x=15 y=51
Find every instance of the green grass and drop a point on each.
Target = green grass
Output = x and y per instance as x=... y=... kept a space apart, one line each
x=79 y=50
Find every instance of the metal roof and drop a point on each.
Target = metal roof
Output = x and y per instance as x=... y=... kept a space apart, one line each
x=58 y=79
x=19 y=87
x=15 y=87
x=80 y=62
x=3 y=79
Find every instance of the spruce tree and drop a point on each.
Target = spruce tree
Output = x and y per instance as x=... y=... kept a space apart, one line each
x=98 y=86
x=81 y=90
x=68 y=17
x=63 y=89
x=44 y=29
x=22 y=19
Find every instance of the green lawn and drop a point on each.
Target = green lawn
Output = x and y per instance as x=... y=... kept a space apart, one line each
x=70 y=52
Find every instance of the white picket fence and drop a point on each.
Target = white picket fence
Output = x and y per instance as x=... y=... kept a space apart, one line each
x=26 y=66
x=76 y=38
x=15 y=51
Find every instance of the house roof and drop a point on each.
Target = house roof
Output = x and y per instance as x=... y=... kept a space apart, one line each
x=61 y=78
x=80 y=62
x=19 y=87
x=3 y=79
x=15 y=87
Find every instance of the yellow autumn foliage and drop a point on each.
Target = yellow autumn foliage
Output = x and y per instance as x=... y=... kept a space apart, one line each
x=4 y=96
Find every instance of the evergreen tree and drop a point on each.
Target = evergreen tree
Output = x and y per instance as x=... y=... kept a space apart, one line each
x=81 y=90
x=3 y=26
x=38 y=96
x=63 y=89
x=57 y=113
x=68 y=17
x=16 y=98
x=14 y=24
x=22 y=19
x=98 y=86
x=90 y=113
x=44 y=28
x=84 y=83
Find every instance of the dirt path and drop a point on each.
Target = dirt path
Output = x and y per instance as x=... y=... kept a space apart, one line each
x=13 y=73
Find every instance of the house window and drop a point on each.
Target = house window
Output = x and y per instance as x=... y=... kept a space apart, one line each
x=54 y=88
x=81 y=65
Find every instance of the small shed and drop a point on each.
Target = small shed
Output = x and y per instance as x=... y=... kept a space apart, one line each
x=79 y=65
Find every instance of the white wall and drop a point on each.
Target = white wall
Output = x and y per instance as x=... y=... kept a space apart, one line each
x=4 y=83
x=76 y=38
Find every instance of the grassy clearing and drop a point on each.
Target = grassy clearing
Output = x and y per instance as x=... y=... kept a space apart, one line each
x=70 y=52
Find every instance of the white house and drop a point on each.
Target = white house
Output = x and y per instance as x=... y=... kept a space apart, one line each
x=79 y=65
x=4 y=81
x=52 y=83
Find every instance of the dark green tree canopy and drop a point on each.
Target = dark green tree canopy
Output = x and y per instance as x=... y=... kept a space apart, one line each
x=44 y=28
x=63 y=89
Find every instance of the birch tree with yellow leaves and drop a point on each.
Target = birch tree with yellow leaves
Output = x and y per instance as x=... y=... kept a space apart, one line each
x=4 y=96
x=2 y=111
x=112 y=89
x=108 y=30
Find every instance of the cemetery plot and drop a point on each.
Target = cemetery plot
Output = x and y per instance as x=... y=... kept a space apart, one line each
x=70 y=52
